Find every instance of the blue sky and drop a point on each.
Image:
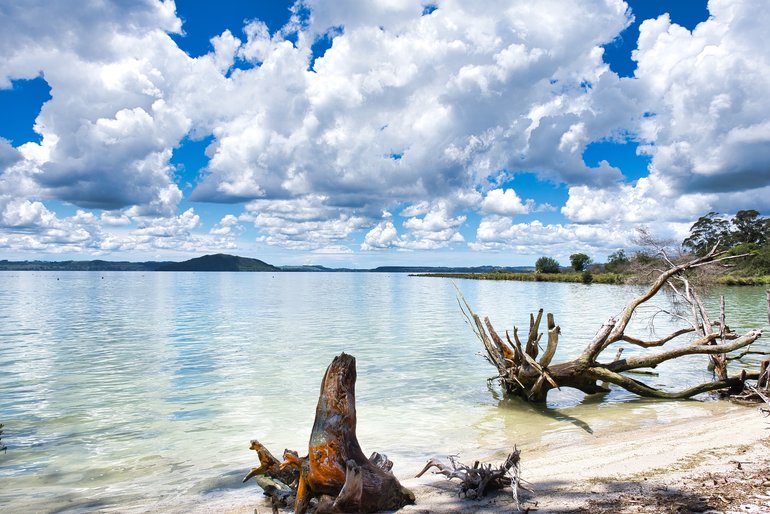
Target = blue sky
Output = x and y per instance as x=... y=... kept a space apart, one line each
x=362 y=134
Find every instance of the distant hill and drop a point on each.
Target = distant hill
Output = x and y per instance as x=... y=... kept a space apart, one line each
x=96 y=265
x=219 y=262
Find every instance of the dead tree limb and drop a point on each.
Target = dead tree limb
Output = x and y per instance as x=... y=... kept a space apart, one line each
x=521 y=375
x=480 y=478
x=335 y=476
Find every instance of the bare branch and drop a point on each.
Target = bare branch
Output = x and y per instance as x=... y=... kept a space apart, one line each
x=658 y=342
x=644 y=390
x=698 y=347
x=599 y=342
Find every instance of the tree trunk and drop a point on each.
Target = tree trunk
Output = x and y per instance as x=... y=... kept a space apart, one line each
x=335 y=471
x=338 y=467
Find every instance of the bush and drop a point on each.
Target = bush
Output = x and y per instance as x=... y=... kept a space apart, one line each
x=586 y=277
x=547 y=265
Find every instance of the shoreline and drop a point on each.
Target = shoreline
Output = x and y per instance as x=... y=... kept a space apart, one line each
x=579 y=278
x=653 y=468
x=618 y=470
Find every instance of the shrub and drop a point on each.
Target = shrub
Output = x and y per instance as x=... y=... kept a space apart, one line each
x=547 y=265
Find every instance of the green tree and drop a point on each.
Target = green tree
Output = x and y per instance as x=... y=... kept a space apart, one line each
x=616 y=261
x=748 y=227
x=579 y=261
x=547 y=265
x=706 y=233
x=618 y=257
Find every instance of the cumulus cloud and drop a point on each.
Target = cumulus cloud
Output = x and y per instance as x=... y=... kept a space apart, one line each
x=705 y=122
x=497 y=233
x=307 y=223
x=425 y=114
x=8 y=154
x=30 y=226
x=227 y=226
x=430 y=227
x=505 y=202
x=707 y=92
x=405 y=106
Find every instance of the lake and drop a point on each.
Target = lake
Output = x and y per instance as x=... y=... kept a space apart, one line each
x=132 y=392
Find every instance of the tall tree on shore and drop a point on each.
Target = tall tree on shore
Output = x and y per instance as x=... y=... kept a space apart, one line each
x=706 y=233
x=746 y=227
x=579 y=261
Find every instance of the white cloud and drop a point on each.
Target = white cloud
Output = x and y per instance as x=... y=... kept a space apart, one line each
x=404 y=107
x=437 y=228
x=505 y=202
x=227 y=226
x=708 y=91
x=307 y=223
x=497 y=233
x=8 y=154
x=384 y=235
x=430 y=114
x=30 y=226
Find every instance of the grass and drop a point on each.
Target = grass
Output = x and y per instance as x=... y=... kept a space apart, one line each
x=733 y=280
x=596 y=278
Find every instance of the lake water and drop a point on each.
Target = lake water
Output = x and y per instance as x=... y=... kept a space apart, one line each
x=131 y=392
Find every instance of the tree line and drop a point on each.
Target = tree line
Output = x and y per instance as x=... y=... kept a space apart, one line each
x=746 y=233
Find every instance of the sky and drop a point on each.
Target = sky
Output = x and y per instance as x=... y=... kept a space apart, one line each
x=379 y=132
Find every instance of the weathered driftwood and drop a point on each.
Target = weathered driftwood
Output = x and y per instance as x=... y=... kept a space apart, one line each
x=335 y=476
x=477 y=480
x=521 y=374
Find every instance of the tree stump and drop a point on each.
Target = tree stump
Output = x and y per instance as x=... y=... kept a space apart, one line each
x=336 y=472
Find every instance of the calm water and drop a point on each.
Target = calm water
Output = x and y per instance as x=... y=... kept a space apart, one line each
x=135 y=392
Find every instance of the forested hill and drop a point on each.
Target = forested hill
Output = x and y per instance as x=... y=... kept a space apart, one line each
x=219 y=262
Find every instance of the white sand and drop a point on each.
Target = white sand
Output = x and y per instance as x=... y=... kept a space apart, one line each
x=565 y=476
x=567 y=472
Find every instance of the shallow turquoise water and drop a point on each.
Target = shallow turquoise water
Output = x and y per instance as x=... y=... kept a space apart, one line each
x=124 y=391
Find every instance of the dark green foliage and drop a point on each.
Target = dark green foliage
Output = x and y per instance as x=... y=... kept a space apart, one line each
x=747 y=233
x=579 y=261
x=586 y=277
x=748 y=227
x=547 y=265
x=618 y=257
x=617 y=262
x=706 y=233
x=745 y=227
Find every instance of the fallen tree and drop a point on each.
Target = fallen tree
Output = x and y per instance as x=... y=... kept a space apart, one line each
x=522 y=374
x=335 y=475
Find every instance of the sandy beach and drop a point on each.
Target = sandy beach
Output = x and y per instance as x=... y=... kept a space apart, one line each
x=714 y=463
x=663 y=468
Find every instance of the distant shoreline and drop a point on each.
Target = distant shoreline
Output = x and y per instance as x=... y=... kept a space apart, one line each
x=595 y=278
x=224 y=262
